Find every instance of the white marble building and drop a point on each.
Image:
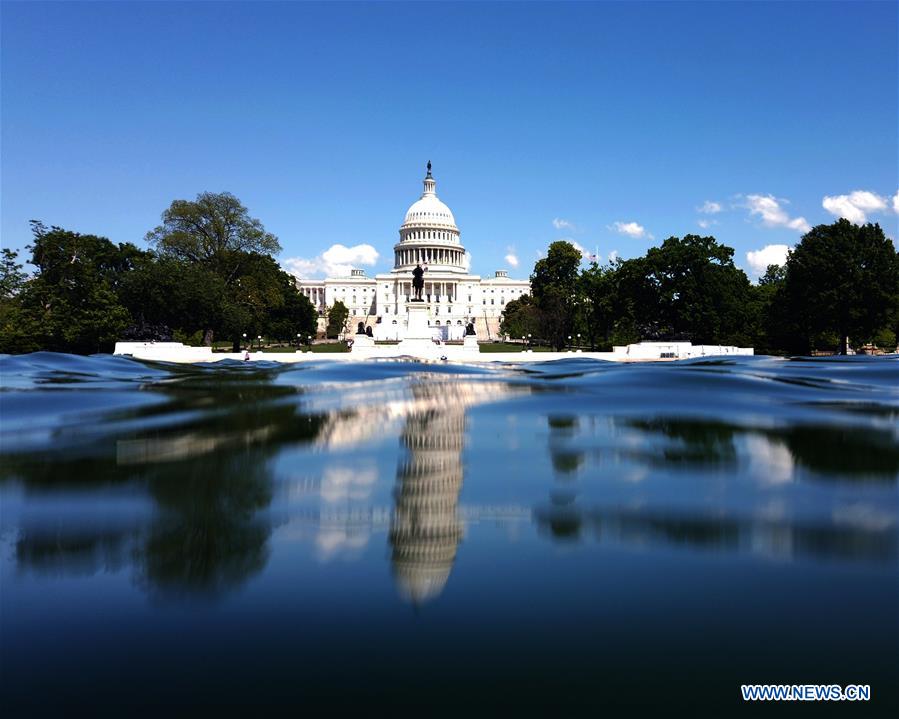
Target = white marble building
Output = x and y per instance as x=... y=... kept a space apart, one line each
x=428 y=236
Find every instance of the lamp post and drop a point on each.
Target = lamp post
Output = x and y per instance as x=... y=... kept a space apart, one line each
x=298 y=340
x=244 y=339
x=529 y=340
x=569 y=343
x=259 y=339
x=578 y=339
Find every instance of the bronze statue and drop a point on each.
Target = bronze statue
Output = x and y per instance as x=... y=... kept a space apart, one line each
x=360 y=328
x=469 y=329
x=418 y=283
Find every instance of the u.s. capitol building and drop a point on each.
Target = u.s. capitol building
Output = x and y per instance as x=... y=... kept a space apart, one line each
x=428 y=237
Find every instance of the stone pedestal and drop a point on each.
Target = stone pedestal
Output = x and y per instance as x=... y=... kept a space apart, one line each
x=470 y=344
x=362 y=343
x=418 y=339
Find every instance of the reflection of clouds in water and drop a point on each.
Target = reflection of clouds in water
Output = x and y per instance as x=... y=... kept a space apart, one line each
x=331 y=541
x=864 y=516
x=769 y=461
x=340 y=484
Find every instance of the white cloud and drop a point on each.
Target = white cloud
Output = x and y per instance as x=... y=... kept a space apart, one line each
x=773 y=215
x=896 y=202
x=336 y=261
x=631 y=229
x=512 y=257
x=769 y=255
x=613 y=255
x=706 y=224
x=466 y=261
x=340 y=484
x=710 y=208
x=855 y=206
x=561 y=224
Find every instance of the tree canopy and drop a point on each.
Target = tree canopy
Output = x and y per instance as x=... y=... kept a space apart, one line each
x=217 y=233
x=842 y=279
x=88 y=292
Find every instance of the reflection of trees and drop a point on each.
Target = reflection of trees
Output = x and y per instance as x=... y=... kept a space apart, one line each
x=208 y=536
x=864 y=453
x=758 y=536
x=844 y=452
x=425 y=530
x=692 y=441
x=565 y=461
x=203 y=457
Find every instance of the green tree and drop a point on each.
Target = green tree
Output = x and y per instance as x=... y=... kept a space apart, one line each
x=689 y=289
x=214 y=231
x=842 y=279
x=520 y=318
x=297 y=316
x=774 y=330
x=12 y=279
x=554 y=286
x=338 y=315
x=600 y=302
x=71 y=304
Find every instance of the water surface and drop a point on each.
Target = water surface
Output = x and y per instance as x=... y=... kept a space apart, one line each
x=569 y=536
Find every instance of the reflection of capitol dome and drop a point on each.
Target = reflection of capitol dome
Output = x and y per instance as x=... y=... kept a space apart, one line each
x=420 y=573
x=426 y=530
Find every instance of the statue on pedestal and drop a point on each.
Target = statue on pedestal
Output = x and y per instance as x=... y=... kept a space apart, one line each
x=418 y=283
x=469 y=329
x=360 y=328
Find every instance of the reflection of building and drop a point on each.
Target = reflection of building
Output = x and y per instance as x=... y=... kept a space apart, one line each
x=426 y=528
x=428 y=236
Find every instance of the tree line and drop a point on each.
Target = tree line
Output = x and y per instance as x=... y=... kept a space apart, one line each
x=208 y=275
x=838 y=288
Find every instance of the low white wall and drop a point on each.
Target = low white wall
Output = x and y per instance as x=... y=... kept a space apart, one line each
x=676 y=350
x=164 y=351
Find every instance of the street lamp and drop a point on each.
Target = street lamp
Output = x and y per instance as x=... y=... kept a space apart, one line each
x=259 y=338
x=244 y=339
x=569 y=343
x=529 y=340
x=298 y=340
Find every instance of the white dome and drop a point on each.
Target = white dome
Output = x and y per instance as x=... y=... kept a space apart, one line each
x=429 y=210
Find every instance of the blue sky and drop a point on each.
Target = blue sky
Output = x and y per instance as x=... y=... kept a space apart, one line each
x=606 y=123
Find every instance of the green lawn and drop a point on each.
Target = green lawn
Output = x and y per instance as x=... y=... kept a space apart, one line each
x=331 y=347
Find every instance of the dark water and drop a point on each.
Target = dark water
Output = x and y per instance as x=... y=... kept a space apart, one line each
x=563 y=537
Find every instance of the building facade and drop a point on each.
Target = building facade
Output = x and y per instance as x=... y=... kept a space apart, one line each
x=428 y=237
